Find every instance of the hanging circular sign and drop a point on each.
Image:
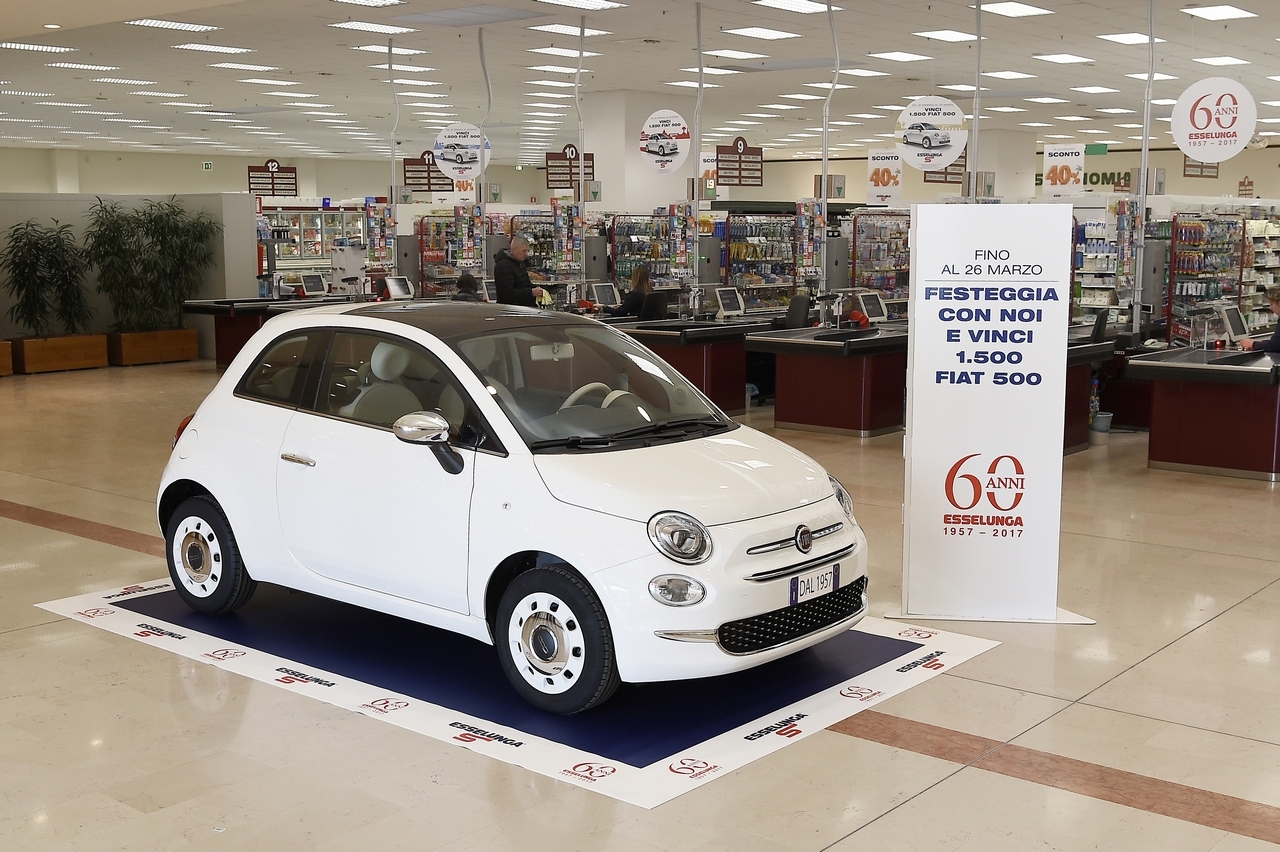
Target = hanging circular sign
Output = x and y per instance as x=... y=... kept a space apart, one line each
x=664 y=141
x=1214 y=119
x=931 y=134
x=459 y=149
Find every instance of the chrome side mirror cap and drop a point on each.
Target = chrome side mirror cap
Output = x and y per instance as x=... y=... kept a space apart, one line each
x=422 y=427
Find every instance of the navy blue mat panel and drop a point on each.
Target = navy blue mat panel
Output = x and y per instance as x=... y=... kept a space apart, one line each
x=641 y=725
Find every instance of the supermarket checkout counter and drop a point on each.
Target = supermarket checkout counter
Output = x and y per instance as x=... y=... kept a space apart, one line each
x=1083 y=356
x=1213 y=411
x=236 y=320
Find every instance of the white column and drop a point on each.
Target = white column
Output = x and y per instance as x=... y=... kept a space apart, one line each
x=628 y=182
x=64 y=168
x=1011 y=154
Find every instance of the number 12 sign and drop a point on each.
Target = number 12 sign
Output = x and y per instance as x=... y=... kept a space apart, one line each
x=1214 y=119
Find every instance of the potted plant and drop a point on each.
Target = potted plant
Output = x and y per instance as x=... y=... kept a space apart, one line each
x=44 y=270
x=149 y=261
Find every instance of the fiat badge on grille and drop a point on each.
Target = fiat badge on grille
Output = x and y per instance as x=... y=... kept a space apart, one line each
x=804 y=538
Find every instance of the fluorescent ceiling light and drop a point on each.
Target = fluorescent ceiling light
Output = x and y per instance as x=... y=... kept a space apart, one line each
x=1057 y=136
x=88 y=111
x=566 y=30
x=1046 y=100
x=160 y=94
x=123 y=82
x=1155 y=77
x=127 y=120
x=804 y=7
x=185 y=104
x=587 y=5
x=1269 y=121
x=212 y=48
x=1094 y=90
x=828 y=86
x=208 y=112
x=531 y=104
x=59 y=104
x=538 y=114
x=232 y=120
x=762 y=33
x=743 y=122
x=79 y=132
x=735 y=54
x=1091 y=130
x=759 y=115
x=1014 y=10
x=397 y=51
x=1008 y=75
x=267 y=81
x=1129 y=38
x=542 y=121
x=1034 y=124
x=307 y=104
x=39 y=48
x=779 y=106
x=1061 y=58
x=409 y=69
x=336 y=120
x=366 y=27
x=22 y=94
x=899 y=56
x=240 y=66
x=81 y=66
x=172 y=25
x=962 y=87
x=864 y=115
x=863 y=72
x=290 y=95
x=715 y=72
x=1219 y=13
x=561 y=51
x=556 y=69
x=1270 y=103
x=1072 y=118
x=894 y=107
x=804 y=97
x=1221 y=60
x=1116 y=110
x=527 y=95
x=555 y=84
x=947 y=35
x=377 y=4
x=1005 y=109
x=803 y=135
x=404 y=81
x=1130 y=126
x=693 y=84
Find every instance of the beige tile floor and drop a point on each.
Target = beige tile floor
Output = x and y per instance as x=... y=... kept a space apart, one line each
x=106 y=744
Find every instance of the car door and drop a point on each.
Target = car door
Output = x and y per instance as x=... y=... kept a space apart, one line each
x=360 y=506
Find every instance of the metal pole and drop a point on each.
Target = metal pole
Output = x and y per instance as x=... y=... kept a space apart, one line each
x=391 y=77
x=826 y=128
x=1140 y=220
x=977 y=106
x=582 y=155
x=697 y=110
x=482 y=190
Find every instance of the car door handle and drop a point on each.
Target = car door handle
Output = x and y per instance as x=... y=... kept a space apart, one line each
x=290 y=457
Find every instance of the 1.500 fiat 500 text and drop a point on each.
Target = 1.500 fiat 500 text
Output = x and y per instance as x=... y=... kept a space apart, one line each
x=540 y=481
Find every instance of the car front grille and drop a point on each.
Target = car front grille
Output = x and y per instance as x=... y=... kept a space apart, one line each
x=771 y=629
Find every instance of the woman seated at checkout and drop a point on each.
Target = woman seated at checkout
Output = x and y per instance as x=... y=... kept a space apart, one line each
x=634 y=300
x=1273 y=344
x=468 y=289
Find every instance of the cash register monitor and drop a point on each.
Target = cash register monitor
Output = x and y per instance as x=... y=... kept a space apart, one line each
x=605 y=294
x=398 y=287
x=487 y=290
x=872 y=306
x=313 y=285
x=1236 y=328
x=731 y=304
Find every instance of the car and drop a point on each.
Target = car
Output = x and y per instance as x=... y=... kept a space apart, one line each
x=661 y=144
x=458 y=153
x=925 y=135
x=534 y=480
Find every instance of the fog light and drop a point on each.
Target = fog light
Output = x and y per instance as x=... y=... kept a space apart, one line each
x=676 y=590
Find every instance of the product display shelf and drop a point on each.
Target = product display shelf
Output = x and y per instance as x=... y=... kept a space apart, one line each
x=380 y=233
x=761 y=258
x=1104 y=263
x=639 y=239
x=1261 y=270
x=450 y=244
x=811 y=230
x=307 y=236
x=880 y=253
x=555 y=242
x=682 y=242
x=1206 y=251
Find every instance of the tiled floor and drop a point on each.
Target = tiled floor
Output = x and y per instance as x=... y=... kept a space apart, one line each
x=1064 y=737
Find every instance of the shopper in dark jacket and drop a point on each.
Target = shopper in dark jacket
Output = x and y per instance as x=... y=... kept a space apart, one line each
x=634 y=300
x=511 y=276
x=1273 y=343
x=468 y=289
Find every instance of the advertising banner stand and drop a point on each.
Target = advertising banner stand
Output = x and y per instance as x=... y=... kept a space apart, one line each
x=985 y=397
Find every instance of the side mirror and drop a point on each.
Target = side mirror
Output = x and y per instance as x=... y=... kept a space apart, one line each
x=422 y=427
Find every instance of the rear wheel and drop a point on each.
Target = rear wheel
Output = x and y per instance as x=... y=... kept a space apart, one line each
x=204 y=560
x=554 y=641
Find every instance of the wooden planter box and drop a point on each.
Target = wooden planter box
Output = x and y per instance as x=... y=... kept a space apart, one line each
x=6 y=358
x=50 y=354
x=153 y=347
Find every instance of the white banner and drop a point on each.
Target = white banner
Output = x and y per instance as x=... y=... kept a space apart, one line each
x=461 y=151
x=884 y=176
x=931 y=134
x=1063 y=170
x=1214 y=119
x=664 y=140
x=990 y=295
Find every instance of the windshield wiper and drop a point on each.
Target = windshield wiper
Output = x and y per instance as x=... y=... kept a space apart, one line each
x=571 y=442
x=663 y=425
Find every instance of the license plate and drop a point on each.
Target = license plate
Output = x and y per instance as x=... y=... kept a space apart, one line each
x=815 y=584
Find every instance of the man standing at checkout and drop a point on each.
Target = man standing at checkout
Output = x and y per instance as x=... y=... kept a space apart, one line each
x=511 y=276
x=1272 y=345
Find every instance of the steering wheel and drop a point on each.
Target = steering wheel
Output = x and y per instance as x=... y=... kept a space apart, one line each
x=614 y=396
x=583 y=391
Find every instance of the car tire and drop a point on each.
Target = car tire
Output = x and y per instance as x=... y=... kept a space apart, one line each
x=204 y=559
x=554 y=641
x=905 y=140
x=458 y=159
x=926 y=142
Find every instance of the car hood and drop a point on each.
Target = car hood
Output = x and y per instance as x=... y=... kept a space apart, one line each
x=720 y=479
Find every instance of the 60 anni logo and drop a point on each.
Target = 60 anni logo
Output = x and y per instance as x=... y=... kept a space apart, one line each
x=1004 y=483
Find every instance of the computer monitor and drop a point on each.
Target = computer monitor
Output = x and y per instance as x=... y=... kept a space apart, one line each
x=1232 y=319
x=872 y=307
x=398 y=287
x=489 y=292
x=313 y=285
x=605 y=294
x=731 y=304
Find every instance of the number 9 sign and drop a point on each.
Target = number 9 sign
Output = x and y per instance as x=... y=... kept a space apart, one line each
x=1214 y=119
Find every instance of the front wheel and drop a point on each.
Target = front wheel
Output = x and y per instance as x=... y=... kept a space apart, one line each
x=458 y=159
x=926 y=142
x=204 y=560
x=554 y=641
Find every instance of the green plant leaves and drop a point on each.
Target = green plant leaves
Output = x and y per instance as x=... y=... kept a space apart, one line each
x=44 y=270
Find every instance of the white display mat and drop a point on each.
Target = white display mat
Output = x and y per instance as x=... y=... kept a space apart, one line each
x=646 y=787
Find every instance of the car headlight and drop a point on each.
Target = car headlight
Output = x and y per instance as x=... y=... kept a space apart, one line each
x=680 y=537
x=846 y=502
x=676 y=590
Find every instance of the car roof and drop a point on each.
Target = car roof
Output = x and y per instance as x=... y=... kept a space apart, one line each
x=450 y=320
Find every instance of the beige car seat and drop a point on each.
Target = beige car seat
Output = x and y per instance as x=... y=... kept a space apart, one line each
x=382 y=398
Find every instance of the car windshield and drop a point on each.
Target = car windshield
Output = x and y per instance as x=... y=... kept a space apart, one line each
x=586 y=387
x=927 y=127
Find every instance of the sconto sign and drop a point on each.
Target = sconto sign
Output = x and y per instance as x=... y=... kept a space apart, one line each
x=884 y=176
x=1063 y=170
x=990 y=295
x=1214 y=119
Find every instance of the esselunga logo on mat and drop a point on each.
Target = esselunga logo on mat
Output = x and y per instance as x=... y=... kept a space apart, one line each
x=784 y=728
x=151 y=630
x=472 y=734
x=291 y=676
x=1002 y=487
x=589 y=771
x=691 y=767
x=929 y=661
x=137 y=590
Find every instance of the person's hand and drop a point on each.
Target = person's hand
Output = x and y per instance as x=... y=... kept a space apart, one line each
x=1246 y=344
x=538 y=292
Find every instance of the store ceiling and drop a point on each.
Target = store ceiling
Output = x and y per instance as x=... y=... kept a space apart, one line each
x=333 y=95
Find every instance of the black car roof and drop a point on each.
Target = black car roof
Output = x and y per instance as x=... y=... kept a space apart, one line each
x=450 y=320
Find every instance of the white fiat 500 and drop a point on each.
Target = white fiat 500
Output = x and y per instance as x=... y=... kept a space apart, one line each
x=533 y=480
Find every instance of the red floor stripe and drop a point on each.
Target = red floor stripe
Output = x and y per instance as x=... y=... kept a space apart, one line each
x=105 y=533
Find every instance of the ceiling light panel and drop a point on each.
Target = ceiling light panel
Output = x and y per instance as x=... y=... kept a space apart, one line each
x=240 y=66
x=172 y=25
x=714 y=72
x=1129 y=38
x=59 y=104
x=586 y=5
x=1046 y=100
x=899 y=56
x=556 y=69
x=17 y=93
x=404 y=81
x=762 y=33
x=79 y=66
x=1008 y=75
x=803 y=97
x=947 y=35
x=1219 y=13
x=267 y=81
x=1034 y=124
x=779 y=106
x=1072 y=118
x=367 y=27
x=1221 y=60
x=1005 y=109
x=804 y=7
x=1156 y=77
x=735 y=54
x=408 y=69
x=290 y=95
x=376 y=4
x=1094 y=90
x=1116 y=110
x=120 y=81
x=1062 y=58
x=396 y=51
x=1014 y=10
x=561 y=51
x=211 y=48
x=39 y=48
x=555 y=84
x=160 y=94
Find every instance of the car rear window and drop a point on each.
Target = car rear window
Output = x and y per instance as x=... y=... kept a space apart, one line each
x=280 y=374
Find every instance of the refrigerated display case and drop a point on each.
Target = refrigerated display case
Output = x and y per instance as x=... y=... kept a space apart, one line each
x=311 y=234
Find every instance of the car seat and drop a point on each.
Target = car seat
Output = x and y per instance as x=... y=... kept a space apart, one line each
x=382 y=398
x=654 y=307
x=482 y=352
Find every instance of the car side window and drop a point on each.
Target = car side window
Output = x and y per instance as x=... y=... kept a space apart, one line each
x=376 y=380
x=280 y=374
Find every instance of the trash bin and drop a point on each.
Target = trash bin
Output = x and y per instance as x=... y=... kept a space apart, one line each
x=1100 y=428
